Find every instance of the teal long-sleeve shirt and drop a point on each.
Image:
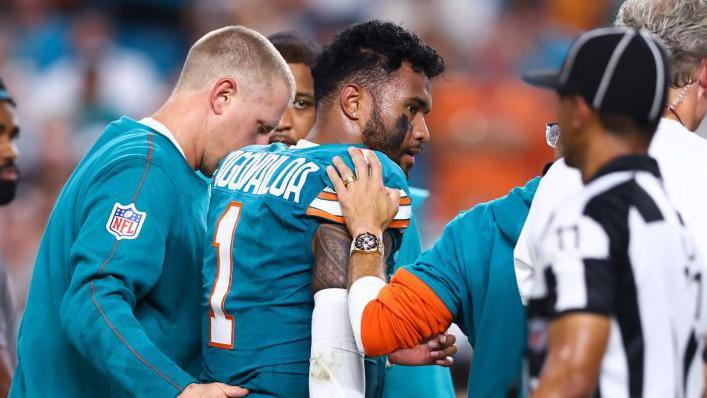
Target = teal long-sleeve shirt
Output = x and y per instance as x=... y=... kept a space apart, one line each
x=416 y=381
x=113 y=308
x=466 y=277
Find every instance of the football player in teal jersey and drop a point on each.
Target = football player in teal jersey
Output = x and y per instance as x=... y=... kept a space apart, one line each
x=113 y=308
x=400 y=99
x=267 y=205
x=257 y=332
x=399 y=381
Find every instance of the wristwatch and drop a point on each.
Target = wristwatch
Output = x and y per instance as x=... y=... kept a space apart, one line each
x=367 y=243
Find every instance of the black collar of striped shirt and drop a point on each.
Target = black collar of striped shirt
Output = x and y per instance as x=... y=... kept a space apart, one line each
x=629 y=163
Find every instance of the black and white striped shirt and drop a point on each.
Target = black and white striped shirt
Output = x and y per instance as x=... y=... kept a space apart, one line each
x=619 y=249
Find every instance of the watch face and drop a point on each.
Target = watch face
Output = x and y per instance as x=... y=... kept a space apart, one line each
x=366 y=242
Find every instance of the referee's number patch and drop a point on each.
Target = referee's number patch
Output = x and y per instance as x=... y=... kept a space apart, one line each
x=125 y=221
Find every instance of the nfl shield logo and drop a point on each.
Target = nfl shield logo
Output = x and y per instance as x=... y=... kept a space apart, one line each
x=125 y=222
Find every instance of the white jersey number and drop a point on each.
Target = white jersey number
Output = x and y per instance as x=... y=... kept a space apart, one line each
x=221 y=324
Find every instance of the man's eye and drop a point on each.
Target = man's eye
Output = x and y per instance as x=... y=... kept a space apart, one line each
x=301 y=104
x=413 y=109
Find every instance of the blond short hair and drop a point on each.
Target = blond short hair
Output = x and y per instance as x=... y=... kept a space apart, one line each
x=236 y=52
x=681 y=25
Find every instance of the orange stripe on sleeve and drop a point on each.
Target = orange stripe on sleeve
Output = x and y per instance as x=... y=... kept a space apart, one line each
x=399 y=224
x=328 y=196
x=404 y=201
x=311 y=211
x=406 y=311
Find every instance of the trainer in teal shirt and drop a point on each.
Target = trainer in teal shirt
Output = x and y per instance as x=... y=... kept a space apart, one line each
x=114 y=304
x=467 y=277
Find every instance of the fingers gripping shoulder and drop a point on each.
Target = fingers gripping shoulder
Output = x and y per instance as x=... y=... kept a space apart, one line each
x=326 y=204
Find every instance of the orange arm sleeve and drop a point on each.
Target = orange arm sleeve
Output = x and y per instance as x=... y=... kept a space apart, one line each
x=405 y=312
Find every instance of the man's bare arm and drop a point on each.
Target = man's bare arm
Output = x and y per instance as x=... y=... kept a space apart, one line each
x=332 y=243
x=577 y=343
x=369 y=207
x=331 y=253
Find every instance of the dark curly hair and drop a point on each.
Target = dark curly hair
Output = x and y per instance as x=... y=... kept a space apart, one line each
x=295 y=48
x=366 y=53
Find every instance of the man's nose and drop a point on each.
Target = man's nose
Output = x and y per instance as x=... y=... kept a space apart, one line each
x=8 y=150
x=285 y=120
x=420 y=131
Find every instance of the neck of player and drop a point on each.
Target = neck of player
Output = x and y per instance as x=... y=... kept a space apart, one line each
x=334 y=127
x=605 y=148
x=179 y=116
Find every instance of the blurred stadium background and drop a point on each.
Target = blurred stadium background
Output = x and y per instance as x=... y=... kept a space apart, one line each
x=74 y=65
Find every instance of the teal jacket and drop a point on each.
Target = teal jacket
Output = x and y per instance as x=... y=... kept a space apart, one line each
x=470 y=268
x=113 y=308
x=416 y=381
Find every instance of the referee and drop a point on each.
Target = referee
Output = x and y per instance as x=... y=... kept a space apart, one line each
x=616 y=306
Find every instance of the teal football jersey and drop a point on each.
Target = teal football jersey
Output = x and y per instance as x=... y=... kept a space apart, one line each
x=266 y=204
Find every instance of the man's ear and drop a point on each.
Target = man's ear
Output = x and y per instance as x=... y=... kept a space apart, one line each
x=583 y=113
x=222 y=94
x=702 y=78
x=351 y=96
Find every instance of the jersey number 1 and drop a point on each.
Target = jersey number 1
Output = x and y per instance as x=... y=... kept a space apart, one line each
x=221 y=324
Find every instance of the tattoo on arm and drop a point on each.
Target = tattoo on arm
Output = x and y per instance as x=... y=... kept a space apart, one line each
x=332 y=244
x=331 y=257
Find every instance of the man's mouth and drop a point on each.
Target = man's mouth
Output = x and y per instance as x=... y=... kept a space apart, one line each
x=409 y=155
x=9 y=173
x=283 y=139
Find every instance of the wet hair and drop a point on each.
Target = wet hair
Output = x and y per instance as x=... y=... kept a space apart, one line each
x=296 y=48
x=367 y=53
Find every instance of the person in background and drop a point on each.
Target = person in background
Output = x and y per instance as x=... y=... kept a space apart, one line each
x=300 y=53
x=9 y=132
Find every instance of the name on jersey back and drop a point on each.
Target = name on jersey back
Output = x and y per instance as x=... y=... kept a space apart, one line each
x=261 y=173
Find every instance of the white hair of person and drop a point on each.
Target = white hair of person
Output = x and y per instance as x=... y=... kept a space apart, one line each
x=680 y=25
x=235 y=52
